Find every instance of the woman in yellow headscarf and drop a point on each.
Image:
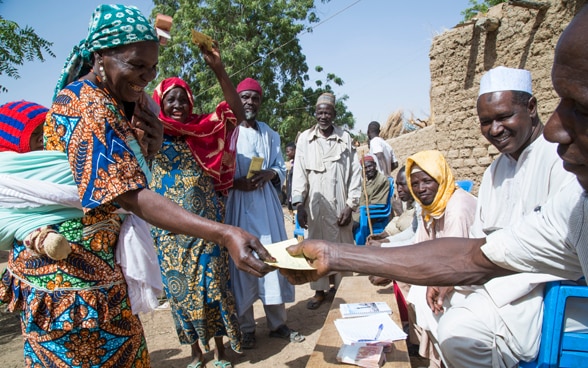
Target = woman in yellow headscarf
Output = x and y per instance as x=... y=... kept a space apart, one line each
x=447 y=211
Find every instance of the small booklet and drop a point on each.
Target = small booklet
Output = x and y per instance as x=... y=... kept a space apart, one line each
x=362 y=355
x=364 y=309
x=255 y=165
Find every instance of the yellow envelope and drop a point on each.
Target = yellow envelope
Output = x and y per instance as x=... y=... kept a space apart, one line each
x=202 y=39
x=284 y=259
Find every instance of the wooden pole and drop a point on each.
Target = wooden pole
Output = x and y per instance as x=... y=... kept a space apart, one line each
x=367 y=200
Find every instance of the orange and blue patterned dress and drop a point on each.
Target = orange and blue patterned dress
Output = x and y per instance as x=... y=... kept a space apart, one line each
x=76 y=312
x=195 y=271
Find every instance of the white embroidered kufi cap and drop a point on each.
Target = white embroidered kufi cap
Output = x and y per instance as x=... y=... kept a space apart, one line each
x=505 y=79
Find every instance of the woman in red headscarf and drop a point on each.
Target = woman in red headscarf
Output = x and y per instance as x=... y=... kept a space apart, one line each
x=194 y=166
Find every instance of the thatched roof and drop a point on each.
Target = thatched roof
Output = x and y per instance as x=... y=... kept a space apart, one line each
x=397 y=125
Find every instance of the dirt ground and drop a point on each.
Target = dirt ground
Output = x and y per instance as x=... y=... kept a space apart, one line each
x=166 y=352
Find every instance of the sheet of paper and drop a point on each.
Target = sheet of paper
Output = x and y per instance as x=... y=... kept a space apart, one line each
x=284 y=259
x=366 y=328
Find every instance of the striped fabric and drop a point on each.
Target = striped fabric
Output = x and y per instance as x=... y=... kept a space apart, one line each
x=18 y=120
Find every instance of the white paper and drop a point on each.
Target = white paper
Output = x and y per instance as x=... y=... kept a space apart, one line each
x=366 y=328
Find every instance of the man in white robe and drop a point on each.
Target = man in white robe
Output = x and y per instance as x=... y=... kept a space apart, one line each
x=525 y=175
x=326 y=185
x=254 y=206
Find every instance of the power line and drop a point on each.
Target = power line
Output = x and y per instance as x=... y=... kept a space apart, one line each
x=286 y=43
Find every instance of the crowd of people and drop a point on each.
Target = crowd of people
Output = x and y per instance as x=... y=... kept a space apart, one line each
x=142 y=196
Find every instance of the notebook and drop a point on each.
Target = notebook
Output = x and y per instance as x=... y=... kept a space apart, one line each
x=364 y=309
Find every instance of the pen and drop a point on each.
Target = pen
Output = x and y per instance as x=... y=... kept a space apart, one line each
x=380 y=328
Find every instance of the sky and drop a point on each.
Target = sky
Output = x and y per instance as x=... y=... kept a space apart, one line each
x=380 y=48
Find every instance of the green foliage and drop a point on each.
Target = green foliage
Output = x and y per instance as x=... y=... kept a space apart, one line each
x=19 y=45
x=479 y=7
x=257 y=39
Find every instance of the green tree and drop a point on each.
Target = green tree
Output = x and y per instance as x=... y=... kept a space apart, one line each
x=258 y=39
x=19 y=45
x=479 y=7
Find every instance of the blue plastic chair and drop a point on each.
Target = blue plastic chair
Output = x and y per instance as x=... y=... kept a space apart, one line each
x=379 y=215
x=559 y=348
x=466 y=185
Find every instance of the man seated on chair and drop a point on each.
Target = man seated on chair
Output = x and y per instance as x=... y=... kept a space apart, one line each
x=504 y=316
x=447 y=211
x=376 y=186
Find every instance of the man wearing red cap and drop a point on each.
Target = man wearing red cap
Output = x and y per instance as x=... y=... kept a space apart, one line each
x=253 y=205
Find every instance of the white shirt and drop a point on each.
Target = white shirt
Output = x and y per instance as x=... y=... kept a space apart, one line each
x=509 y=190
x=379 y=145
x=553 y=239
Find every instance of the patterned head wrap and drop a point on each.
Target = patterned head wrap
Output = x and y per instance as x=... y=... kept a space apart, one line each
x=210 y=137
x=111 y=26
x=435 y=165
x=18 y=120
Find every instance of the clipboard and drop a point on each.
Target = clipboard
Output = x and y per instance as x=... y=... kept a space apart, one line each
x=255 y=165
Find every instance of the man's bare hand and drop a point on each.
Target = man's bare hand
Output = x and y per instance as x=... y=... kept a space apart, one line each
x=302 y=216
x=317 y=253
x=345 y=216
x=435 y=297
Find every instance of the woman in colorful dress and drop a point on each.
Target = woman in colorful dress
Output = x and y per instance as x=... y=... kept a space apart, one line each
x=196 y=271
x=76 y=312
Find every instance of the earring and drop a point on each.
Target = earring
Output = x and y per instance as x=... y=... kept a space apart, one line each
x=101 y=71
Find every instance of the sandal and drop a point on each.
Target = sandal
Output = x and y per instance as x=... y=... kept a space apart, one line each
x=285 y=332
x=222 y=364
x=198 y=364
x=315 y=302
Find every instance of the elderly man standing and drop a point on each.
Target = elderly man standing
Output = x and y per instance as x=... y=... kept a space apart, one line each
x=326 y=185
x=504 y=316
x=254 y=206
x=381 y=150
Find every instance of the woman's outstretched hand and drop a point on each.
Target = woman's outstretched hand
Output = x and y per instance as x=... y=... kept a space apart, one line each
x=247 y=252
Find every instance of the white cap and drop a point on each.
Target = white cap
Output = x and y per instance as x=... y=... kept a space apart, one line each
x=505 y=79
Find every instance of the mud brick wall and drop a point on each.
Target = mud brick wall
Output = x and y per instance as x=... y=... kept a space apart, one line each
x=525 y=38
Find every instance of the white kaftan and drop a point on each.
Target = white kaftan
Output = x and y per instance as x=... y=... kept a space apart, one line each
x=510 y=189
x=260 y=213
x=327 y=177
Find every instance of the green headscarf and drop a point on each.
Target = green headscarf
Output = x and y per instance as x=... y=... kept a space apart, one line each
x=110 y=26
